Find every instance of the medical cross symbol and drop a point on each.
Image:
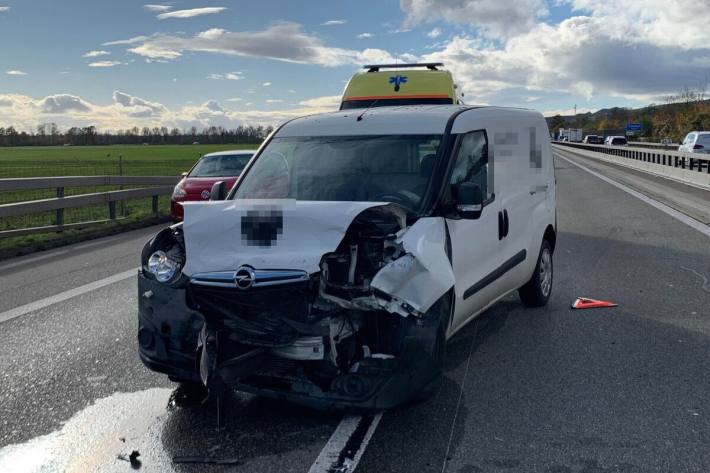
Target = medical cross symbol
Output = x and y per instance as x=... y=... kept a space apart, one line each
x=397 y=81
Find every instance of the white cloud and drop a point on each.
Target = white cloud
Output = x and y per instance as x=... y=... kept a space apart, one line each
x=334 y=22
x=282 y=42
x=63 y=103
x=364 y=35
x=274 y=101
x=15 y=72
x=191 y=13
x=234 y=99
x=134 y=40
x=105 y=63
x=138 y=107
x=226 y=76
x=2 y=9
x=127 y=111
x=96 y=53
x=495 y=18
x=586 y=55
x=157 y=8
x=266 y=84
x=329 y=102
x=435 y=33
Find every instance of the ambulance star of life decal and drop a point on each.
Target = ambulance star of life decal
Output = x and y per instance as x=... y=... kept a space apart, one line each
x=397 y=81
x=261 y=227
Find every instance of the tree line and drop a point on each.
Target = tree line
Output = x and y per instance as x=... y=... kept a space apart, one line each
x=49 y=134
x=678 y=114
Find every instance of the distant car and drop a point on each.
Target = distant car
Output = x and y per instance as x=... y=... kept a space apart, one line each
x=593 y=140
x=197 y=183
x=616 y=141
x=696 y=142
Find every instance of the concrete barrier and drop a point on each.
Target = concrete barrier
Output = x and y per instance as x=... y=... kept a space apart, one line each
x=688 y=168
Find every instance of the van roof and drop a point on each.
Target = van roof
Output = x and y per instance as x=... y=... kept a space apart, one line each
x=401 y=120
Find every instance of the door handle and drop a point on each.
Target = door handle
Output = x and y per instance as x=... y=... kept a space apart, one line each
x=501 y=225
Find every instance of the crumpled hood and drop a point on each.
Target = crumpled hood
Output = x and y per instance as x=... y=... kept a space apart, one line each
x=264 y=234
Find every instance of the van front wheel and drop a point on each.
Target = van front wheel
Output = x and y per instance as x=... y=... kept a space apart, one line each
x=536 y=292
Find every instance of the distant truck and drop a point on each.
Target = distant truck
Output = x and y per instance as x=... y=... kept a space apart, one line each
x=570 y=134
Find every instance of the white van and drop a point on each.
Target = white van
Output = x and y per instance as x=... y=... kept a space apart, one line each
x=353 y=245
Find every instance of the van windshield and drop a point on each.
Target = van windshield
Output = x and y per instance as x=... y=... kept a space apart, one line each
x=343 y=168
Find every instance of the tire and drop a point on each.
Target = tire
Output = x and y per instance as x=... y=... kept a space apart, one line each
x=536 y=292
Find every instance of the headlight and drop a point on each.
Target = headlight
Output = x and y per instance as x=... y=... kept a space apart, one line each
x=179 y=192
x=162 y=267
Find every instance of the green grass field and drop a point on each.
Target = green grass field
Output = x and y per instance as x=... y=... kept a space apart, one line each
x=97 y=160
x=130 y=160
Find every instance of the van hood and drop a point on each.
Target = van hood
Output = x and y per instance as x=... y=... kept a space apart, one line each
x=298 y=235
x=264 y=234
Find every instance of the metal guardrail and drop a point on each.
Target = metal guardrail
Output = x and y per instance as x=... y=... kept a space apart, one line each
x=649 y=144
x=690 y=168
x=160 y=185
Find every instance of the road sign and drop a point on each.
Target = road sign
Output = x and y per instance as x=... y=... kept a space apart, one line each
x=633 y=127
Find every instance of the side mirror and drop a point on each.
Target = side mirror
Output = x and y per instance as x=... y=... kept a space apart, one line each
x=218 y=191
x=183 y=174
x=469 y=200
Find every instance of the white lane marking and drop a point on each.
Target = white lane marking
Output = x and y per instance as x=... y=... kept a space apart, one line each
x=332 y=450
x=62 y=296
x=680 y=216
x=33 y=259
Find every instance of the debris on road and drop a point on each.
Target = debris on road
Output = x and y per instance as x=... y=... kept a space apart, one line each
x=586 y=303
x=132 y=459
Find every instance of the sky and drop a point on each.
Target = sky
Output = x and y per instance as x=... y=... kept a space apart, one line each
x=182 y=63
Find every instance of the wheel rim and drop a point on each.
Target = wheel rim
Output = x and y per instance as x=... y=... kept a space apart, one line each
x=545 y=272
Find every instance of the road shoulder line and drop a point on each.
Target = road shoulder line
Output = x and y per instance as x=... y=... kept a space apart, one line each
x=344 y=449
x=680 y=216
x=63 y=296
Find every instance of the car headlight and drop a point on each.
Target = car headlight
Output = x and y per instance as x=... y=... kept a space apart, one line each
x=162 y=266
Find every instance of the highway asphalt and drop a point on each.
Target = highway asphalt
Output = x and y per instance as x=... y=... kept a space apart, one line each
x=526 y=390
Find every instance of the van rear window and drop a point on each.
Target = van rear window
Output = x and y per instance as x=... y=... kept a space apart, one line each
x=350 y=104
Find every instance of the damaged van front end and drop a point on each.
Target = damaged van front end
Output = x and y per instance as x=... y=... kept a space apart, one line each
x=329 y=304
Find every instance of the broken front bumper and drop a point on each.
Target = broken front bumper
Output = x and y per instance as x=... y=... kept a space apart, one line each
x=167 y=330
x=169 y=333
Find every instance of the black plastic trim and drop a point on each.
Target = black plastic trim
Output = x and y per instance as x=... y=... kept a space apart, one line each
x=496 y=274
x=436 y=188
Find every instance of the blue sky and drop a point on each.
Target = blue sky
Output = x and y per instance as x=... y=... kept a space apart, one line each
x=235 y=61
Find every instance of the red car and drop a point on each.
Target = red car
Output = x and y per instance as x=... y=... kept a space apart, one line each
x=213 y=167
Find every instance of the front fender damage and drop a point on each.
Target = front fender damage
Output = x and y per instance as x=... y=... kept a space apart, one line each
x=417 y=275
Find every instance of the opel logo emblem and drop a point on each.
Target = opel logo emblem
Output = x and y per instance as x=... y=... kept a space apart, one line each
x=205 y=194
x=244 y=277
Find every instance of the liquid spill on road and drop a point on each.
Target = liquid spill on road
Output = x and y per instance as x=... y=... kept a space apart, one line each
x=92 y=439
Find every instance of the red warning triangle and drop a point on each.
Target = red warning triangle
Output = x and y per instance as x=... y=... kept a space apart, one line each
x=586 y=303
